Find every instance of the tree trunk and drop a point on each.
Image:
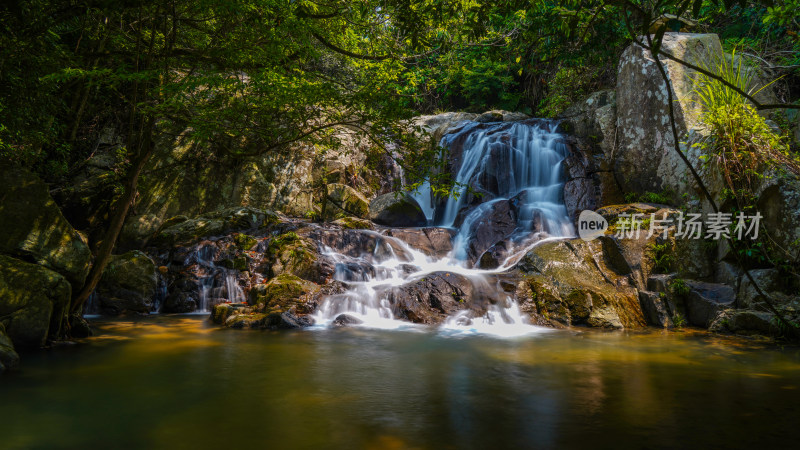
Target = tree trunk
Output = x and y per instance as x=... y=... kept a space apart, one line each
x=117 y=219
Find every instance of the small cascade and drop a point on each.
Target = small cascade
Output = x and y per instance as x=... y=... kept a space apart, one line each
x=215 y=284
x=233 y=292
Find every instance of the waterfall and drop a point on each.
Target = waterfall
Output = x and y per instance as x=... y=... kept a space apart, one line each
x=505 y=162
x=516 y=166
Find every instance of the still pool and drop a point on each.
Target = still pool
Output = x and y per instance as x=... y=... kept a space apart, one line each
x=180 y=382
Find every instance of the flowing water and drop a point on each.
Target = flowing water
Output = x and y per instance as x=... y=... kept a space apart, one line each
x=505 y=160
x=180 y=382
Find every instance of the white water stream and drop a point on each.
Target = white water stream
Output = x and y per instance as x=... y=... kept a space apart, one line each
x=531 y=158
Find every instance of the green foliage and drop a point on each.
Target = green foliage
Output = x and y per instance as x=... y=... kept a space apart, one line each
x=662 y=256
x=678 y=321
x=664 y=197
x=679 y=287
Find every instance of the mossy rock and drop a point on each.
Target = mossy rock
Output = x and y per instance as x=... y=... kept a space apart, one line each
x=34 y=302
x=34 y=228
x=128 y=284
x=342 y=201
x=284 y=292
x=291 y=254
x=245 y=241
x=354 y=223
x=221 y=312
x=575 y=283
x=175 y=231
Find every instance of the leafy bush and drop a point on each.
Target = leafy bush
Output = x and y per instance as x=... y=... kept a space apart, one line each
x=679 y=287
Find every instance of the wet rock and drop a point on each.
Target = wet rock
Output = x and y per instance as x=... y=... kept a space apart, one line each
x=34 y=302
x=495 y=222
x=432 y=241
x=706 y=300
x=128 y=284
x=432 y=298
x=571 y=282
x=180 y=301
x=345 y=320
x=342 y=201
x=490 y=116
x=34 y=229
x=752 y=322
x=396 y=209
x=9 y=359
x=293 y=254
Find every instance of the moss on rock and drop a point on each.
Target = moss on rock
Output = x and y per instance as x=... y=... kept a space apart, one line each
x=283 y=293
x=128 y=284
x=34 y=302
x=34 y=228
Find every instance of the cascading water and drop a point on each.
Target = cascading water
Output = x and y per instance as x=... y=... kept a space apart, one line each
x=506 y=162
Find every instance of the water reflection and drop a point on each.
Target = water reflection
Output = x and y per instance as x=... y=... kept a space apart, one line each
x=170 y=382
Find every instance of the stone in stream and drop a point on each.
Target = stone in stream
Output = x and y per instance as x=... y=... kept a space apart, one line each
x=397 y=209
x=345 y=320
x=434 y=297
x=432 y=241
x=128 y=284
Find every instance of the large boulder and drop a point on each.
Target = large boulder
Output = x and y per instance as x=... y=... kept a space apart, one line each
x=574 y=282
x=35 y=230
x=645 y=159
x=396 y=209
x=342 y=201
x=296 y=254
x=34 y=302
x=128 y=284
x=434 y=297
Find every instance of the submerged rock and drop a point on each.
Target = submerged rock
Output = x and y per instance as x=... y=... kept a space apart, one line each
x=128 y=284
x=34 y=302
x=396 y=209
